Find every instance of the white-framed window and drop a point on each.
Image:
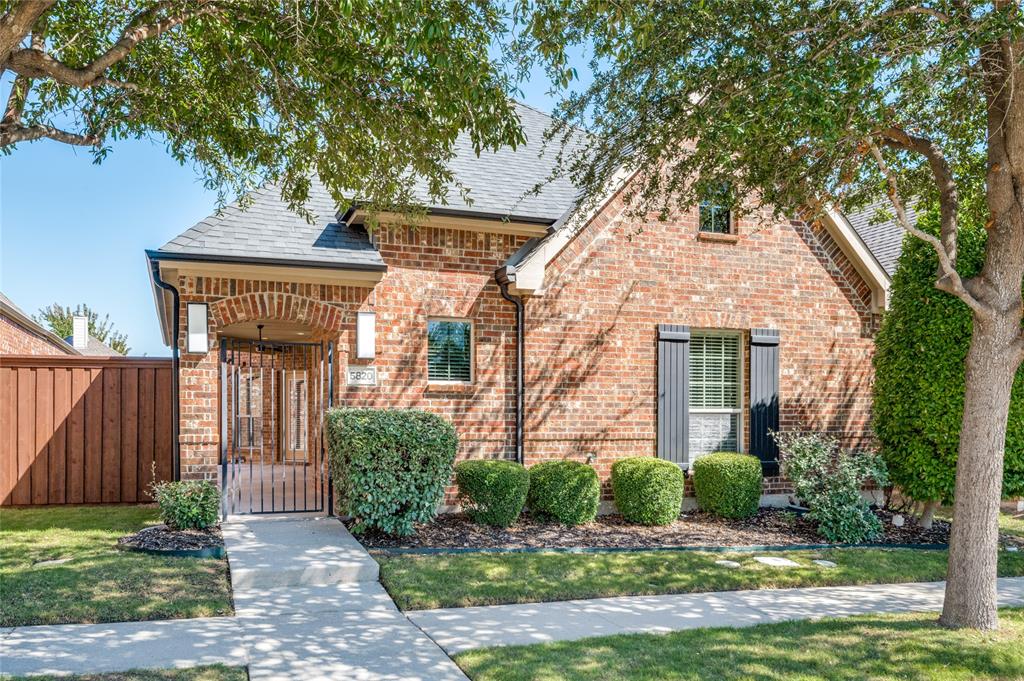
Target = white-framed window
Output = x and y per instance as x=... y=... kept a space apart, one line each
x=249 y=421
x=716 y=393
x=449 y=351
x=715 y=212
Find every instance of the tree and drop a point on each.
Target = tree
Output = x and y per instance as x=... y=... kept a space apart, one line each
x=369 y=96
x=811 y=103
x=919 y=373
x=60 y=319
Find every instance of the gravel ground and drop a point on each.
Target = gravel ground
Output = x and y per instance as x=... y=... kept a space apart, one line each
x=769 y=527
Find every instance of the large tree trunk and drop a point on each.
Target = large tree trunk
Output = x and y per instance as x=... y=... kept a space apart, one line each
x=974 y=540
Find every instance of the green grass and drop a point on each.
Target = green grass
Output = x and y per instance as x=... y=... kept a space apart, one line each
x=99 y=583
x=458 y=580
x=1012 y=524
x=211 y=673
x=865 y=647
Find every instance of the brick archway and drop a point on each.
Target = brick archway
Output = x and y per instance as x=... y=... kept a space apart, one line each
x=285 y=307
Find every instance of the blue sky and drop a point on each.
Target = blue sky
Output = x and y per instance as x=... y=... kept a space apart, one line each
x=74 y=232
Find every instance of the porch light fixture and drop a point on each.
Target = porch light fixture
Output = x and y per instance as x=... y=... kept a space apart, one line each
x=366 y=335
x=198 y=339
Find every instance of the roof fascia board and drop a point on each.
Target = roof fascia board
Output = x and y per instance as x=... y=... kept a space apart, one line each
x=171 y=256
x=303 y=275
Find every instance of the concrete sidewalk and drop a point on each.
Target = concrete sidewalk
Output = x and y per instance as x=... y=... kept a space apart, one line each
x=460 y=629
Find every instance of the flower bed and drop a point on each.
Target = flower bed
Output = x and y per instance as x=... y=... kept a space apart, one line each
x=160 y=539
x=768 y=527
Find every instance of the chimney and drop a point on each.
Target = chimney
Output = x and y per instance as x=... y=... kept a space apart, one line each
x=80 y=333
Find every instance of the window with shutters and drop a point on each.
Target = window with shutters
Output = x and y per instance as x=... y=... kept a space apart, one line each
x=716 y=384
x=449 y=351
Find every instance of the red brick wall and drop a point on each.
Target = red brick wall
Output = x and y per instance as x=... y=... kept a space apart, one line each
x=16 y=340
x=591 y=338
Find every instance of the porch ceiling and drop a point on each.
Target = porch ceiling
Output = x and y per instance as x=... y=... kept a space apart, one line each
x=273 y=330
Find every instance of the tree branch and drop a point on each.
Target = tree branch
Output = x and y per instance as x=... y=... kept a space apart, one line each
x=16 y=101
x=35 y=63
x=21 y=133
x=16 y=24
x=949 y=279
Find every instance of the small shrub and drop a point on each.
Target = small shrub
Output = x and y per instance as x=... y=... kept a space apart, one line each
x=567 y=491
x=492 y=492
x=829 y=479
x=728 y=484
x=187 y=504
x=648 y=491
x=390 y=466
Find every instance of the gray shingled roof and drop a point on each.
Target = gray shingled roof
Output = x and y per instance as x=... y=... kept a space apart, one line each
x=499 y=183
x=884 y=239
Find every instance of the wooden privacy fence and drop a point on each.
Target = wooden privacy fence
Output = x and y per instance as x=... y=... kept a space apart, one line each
x=83 y=429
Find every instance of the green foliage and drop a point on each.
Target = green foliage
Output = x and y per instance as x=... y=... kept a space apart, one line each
x=647 y=490
x=492 y=492
x=60 y=319
x=728 y=484
x=365 y=95
x=829 y=479
x=568 y=491
x=919 y=373
x=390 y=466
x=187 y=504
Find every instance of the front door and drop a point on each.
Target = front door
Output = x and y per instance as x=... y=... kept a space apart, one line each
x=273 y=396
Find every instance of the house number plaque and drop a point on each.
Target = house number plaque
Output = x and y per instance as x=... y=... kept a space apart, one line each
x=361 y=375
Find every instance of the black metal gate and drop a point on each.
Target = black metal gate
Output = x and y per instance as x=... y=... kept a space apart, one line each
x=273 y=396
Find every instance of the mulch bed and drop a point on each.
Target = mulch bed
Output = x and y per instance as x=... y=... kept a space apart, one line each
x=163 y=538
x=769 y=527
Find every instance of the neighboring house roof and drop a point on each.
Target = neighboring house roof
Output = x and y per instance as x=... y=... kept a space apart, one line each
x=95 y=348
x=18 y=316
x=884 y=238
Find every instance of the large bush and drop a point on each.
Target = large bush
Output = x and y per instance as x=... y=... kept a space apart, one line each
x=492 y=492
x=187 y=504
x=728 y=484
x=919 y=373
x=829 y=480
x=567 y=491
x=390 y=466
x=648 y=491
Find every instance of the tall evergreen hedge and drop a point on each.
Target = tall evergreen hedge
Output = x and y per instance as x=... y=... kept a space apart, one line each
x=919 y=373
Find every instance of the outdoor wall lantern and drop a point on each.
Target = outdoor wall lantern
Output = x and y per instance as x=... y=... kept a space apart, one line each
x=366 y=335
x=198 y=339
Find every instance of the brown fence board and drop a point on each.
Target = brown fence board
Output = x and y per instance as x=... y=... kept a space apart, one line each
x=83 y=429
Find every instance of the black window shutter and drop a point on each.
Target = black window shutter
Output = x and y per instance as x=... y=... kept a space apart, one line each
x=764 y=397
x=673 y=393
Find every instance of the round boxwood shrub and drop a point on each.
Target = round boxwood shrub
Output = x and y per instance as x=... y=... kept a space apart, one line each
x=728 y=484
x=187 y=504
x=492 y=492
x=390 y=466
x=648 y=491
x=567 y=491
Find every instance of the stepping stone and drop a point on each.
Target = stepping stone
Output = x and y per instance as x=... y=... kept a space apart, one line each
x=55 y=561
x=824 y=563
x=775 y=561
x=727 y=563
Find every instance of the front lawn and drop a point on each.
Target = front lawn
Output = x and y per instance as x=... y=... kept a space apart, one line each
x=458 y=580
x=864 y=647
x=99 y=583
x=210 y=673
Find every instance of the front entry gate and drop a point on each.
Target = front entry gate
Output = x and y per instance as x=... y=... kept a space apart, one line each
x=273 y=396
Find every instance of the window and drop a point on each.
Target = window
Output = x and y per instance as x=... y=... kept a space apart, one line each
x=249 y=424
x=715 y=214
x=449 y=351
x=715 y=393
x=296 y=412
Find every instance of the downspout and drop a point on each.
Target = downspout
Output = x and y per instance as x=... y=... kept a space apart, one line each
x=175 y=425
x=504 y=277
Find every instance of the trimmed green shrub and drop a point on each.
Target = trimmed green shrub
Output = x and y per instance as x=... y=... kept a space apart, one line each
x=390 y=466
x=187 y=504
x=728 y=484
x=829 y=480
x=648 y=491
x=567 y=491
x=492 y=492
x=919 y=372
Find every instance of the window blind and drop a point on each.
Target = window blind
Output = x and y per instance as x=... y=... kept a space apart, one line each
x=449 y=351
x=714 y=393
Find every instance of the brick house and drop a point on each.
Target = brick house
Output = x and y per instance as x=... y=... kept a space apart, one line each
x=22 y=335
x=540 y=328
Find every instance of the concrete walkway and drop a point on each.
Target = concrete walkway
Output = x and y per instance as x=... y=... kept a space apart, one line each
x=460 y=629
